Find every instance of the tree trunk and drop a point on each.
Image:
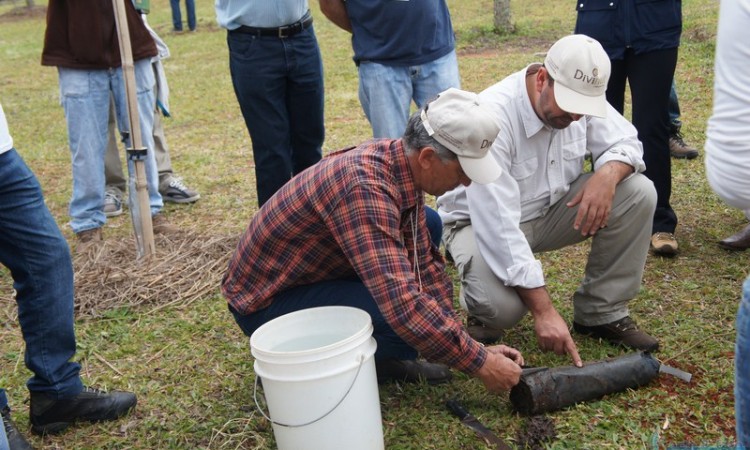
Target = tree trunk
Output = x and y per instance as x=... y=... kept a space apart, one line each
x=503 y=22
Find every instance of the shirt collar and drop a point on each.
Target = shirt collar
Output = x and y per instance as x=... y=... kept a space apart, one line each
x=531 y=122
x=403 y=176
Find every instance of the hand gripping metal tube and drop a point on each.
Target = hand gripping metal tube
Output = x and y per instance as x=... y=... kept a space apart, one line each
x=550 y=389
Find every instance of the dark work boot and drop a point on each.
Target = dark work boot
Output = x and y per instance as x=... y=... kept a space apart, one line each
x=481 y=332
x=16 y=440
x=412 y=371
x=50 y=416
x=622 y=332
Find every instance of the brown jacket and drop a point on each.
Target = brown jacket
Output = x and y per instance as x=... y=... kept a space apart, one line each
x=81 y=34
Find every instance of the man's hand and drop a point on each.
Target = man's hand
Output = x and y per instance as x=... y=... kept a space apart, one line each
x=551 y=330
x=502 y=369
x=553 y=335
x=594 y=200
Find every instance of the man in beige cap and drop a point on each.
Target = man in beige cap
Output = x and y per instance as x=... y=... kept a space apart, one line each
x=352 y=230
x=550 y=115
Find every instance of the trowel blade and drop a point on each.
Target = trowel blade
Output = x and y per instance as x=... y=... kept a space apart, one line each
x=684 y=376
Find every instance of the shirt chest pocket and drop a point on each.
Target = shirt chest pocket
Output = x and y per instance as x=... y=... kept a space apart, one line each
x=574 y=154
x=523 y=172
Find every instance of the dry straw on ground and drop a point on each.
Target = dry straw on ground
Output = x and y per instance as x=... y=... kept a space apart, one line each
x=108 y=276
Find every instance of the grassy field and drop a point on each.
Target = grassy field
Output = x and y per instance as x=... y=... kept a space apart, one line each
x=190 y=365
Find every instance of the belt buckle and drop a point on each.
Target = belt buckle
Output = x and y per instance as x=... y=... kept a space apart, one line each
x=282 y=30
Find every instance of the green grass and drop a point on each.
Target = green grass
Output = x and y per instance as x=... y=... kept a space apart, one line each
x=190 y=366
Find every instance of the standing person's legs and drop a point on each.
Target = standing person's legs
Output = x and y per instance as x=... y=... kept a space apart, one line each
x=674 y=110
x=113 y=173
x=3 y=439
x=190 y=7
x=258 y=67
x=176 y=15
x=85 y=97
x=331 y=293
x=38 y=258
x=144 y=78
x=742 y=369
x=434 y=77
x=304 y=101
x=385 y=94
x=161 y=150
x=650 y=76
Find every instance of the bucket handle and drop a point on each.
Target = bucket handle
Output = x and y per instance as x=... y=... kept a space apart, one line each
x=263 y=413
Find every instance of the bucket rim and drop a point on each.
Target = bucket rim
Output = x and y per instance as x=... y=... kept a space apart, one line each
x=363 y=332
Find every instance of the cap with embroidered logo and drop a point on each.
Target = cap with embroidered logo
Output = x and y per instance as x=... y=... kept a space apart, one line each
x=581 y=68
x=457 y=120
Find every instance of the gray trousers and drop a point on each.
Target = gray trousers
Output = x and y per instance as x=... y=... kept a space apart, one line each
x=613 y=272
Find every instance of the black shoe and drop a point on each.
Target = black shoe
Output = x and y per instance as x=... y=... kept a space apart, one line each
x=622 y=332
x=50 y=416
x=412 y=371
x=482 y=333
x=16 y=440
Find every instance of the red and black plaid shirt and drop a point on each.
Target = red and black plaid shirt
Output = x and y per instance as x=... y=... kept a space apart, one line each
x=353 y=215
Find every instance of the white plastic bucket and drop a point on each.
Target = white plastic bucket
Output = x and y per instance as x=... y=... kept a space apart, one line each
x=319 y=380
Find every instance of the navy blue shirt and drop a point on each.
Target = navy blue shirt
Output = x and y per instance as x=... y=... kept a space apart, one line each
x=400 y=32
x=643 y=25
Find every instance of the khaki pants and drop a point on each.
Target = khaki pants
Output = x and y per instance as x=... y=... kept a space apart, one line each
x=613 y=272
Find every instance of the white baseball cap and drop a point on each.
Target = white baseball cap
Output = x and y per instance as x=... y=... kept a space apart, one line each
x=581 y=68
x=457 y=120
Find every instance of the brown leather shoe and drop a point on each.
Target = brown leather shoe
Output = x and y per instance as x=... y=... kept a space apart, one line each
x=664 y=244
x=737 y=242
x=162 y=226
x=679 y=149
x=622 y=332
x=88 y=239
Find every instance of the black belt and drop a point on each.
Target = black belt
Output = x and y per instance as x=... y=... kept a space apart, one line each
x=280 y=32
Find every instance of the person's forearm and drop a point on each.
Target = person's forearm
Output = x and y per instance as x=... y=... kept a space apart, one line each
x=536 y=299
x=616 y=170
x=335 y=10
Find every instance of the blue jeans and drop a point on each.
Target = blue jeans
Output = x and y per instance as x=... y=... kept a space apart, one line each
x=38 y=257
x=386 y=92
x=345 y=292
x=85 y=96
x=177 y=16
x=3 y=440
x=674 y=110
x=742 y=369
x=279 y=86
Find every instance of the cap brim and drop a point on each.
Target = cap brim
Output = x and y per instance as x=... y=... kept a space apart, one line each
x=483 y=170
x=572 y=102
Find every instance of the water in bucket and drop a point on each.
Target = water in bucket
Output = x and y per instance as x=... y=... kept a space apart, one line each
x=318 y=374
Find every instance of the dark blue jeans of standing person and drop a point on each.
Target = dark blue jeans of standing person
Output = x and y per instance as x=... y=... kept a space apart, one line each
x=38 y=257
x=650 y=77
x=177 y=15
x=742 y=369
x=348 y=292
x=279 y=86
x=674 y=110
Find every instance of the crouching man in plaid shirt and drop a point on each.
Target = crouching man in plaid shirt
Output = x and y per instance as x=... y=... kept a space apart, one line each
x=352 y=230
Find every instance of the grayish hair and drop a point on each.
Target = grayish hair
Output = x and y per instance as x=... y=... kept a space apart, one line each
x=416 y=137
